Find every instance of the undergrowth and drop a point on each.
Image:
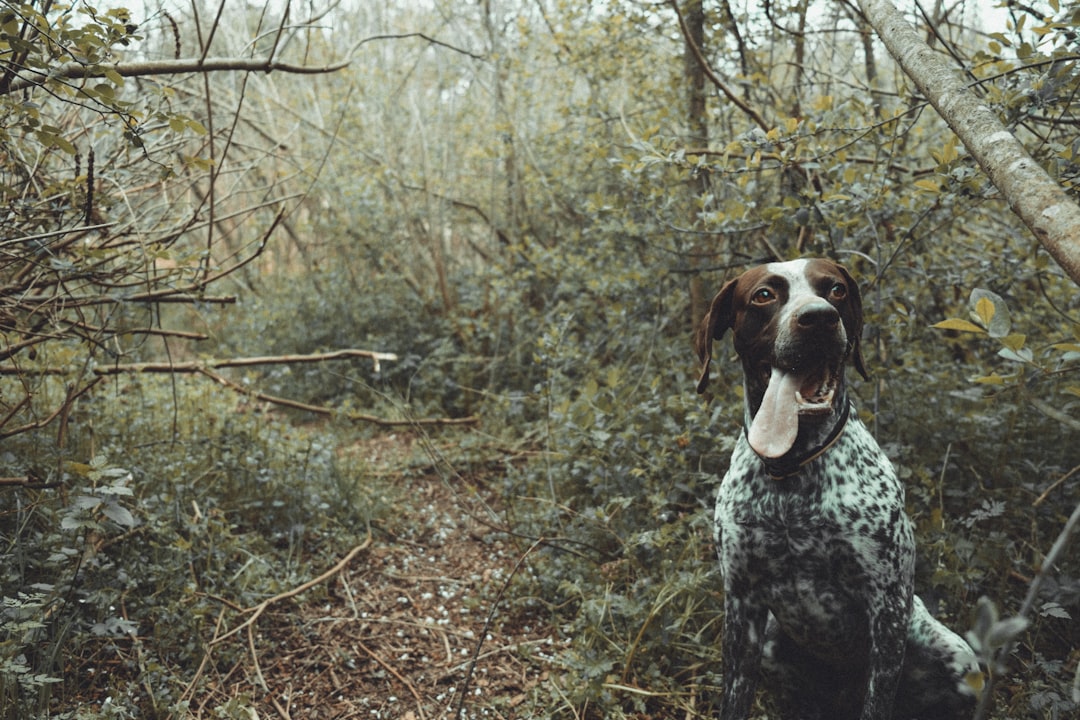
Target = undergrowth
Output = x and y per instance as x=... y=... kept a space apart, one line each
x=169 y=504
x=167 y=507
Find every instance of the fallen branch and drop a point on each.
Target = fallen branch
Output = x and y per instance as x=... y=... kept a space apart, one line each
x=29 y=481
x=330 y=412
x=198 y=366
x=206 y=368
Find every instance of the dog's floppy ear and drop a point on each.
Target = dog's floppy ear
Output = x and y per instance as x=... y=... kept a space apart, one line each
x=713 y=326
x=853 y=322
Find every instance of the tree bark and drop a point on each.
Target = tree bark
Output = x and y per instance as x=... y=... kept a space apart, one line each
x=1032 y=194
x=697 y=120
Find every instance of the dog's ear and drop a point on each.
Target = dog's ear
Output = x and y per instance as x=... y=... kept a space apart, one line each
x=713 y=326
x=853 y=323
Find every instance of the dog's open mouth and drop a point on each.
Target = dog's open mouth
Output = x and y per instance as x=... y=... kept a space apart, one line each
x=788 y=395
x=816 y=391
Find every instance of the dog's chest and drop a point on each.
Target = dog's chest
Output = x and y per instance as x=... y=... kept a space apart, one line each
x=815 y=546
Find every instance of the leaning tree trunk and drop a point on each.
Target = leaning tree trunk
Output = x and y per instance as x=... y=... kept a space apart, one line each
x=1031 y=193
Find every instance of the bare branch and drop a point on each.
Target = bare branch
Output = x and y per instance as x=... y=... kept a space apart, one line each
x=422 y=36
x=729 y=93
x=79 y=71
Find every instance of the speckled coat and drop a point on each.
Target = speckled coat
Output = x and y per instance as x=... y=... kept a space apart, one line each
x=816 y=551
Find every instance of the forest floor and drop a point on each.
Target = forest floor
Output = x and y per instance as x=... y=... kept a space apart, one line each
x=416 y=620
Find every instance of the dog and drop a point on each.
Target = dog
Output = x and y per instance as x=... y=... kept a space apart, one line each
x=816 y=551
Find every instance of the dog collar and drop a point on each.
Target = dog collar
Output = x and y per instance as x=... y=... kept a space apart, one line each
x=784 y=467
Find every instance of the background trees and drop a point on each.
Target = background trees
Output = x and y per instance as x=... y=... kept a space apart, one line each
x=527 y=203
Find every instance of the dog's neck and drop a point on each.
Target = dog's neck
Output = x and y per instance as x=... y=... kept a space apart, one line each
x=816 y=434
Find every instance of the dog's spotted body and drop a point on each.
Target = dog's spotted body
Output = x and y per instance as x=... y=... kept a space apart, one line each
x=816 y=551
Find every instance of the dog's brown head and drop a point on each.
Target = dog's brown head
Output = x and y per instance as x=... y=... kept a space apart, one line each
x=795 y=325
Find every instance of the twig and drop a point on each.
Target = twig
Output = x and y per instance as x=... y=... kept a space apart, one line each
x=283 y=712
x=255 y=658
x=1046 y=493
x=411 y=688
x=189 y=691
x=258 y=610
x=487 y=626
x=429 y=39
x=37 y=424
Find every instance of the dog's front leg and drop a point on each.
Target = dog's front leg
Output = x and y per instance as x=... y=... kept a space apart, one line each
x=744 y=637
x=889 y=620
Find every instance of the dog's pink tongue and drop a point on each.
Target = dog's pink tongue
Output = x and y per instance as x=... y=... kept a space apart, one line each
x=773 y=431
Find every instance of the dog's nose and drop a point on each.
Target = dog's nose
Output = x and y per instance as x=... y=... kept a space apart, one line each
x=818 y=316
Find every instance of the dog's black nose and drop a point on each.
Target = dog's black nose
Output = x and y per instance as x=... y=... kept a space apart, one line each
x=819 y=315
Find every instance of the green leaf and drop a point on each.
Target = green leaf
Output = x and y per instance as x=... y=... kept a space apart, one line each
x=119 y=514
x=1024 y=355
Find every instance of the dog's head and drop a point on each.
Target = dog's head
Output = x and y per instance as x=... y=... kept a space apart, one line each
x=795 y=325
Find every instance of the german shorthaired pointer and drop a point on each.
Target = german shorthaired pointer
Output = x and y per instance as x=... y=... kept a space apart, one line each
x=816 y=552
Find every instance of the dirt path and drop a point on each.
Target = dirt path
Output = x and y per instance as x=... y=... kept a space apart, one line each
x=394 y=634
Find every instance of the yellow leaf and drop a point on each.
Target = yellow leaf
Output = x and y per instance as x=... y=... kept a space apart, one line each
x=1014 y=341
x=992 y=379
x=929 y=185
x=958 y=324
x=78 y=468
x=948 y=154
x=773 y=135
x=984 y=308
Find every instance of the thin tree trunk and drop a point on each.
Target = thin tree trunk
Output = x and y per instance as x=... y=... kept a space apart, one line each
x=1032 y=194
x=694 y=74
x=697 y=125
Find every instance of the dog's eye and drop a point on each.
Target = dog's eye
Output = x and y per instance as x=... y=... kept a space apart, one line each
x=838 y=292
x=763 y=296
